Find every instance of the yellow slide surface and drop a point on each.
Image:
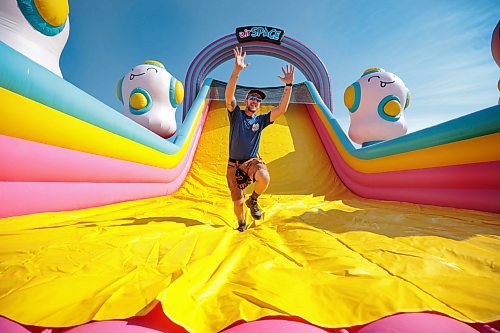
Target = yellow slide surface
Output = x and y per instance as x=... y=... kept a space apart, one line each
x=320 y=252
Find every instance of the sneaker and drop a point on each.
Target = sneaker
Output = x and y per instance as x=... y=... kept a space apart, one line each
x=242 y=227
x=254 y=208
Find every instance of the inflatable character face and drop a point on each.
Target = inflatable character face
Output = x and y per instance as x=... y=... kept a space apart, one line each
x=150 y=96
x=39 y=29
x=376 y=102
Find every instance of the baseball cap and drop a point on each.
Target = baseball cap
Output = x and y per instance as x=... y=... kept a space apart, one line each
x=256 y=91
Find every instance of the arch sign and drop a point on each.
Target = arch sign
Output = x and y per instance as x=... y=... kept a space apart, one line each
x=257 y=40
x=263 y=34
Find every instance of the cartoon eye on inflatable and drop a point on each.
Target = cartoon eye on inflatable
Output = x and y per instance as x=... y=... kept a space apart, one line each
x=407 y=102
x=390 y=108
x=352 y=97
x=140 y=101
x=176 y=92
x=46 y=16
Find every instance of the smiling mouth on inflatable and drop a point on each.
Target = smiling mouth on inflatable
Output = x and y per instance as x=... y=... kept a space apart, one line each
x=132 y=76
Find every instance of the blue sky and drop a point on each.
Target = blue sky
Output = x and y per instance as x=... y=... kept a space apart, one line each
x=440 y=49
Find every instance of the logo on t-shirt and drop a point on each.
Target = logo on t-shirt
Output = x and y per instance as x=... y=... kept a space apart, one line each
x=255 y=127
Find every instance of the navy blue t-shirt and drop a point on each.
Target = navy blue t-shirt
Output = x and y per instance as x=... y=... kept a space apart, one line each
x=245 y=132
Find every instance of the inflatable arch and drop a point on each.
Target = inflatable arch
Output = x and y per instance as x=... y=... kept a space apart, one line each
x=290 y=50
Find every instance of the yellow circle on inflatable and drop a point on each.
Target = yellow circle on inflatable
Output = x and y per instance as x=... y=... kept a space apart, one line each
x=392 y=108
x=349 y=97
x=179 y=92
x=54 y=12
x=138 y=101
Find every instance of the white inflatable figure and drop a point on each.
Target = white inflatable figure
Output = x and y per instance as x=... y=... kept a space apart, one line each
x=39 y=29
x=376 y=102
x=150 y=96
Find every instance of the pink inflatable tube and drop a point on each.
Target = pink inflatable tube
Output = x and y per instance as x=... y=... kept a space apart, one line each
x=20 y=198
x=478 y=199
x=66 y=165
x=474 y=175
x=485 y=199
x=120 y=326
x=274 y=326
x=416 y=323
x=7 y=325
x=56 y=164
x=469 y=198
x=397 y=323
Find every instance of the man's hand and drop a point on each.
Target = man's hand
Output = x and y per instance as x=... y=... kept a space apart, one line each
x=287 y=92
x=288 y=74
x=242 y=179
x=239 y=59
x=239 y=65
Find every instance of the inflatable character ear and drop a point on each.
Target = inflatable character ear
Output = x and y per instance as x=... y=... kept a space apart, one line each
x=154 y=63
x=352 y=96
x=390 y=108
x=176 y=92
x=372 y=70
x=140 y=101
x=46 y=16
x=119 y=90
x=407 y=102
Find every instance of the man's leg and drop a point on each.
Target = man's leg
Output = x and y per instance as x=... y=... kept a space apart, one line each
x=262 y=180
x=237 y=195
x=238 y=210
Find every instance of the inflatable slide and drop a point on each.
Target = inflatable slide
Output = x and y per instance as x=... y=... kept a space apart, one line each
x=107 y=227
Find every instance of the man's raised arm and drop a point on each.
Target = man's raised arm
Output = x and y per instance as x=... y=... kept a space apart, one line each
x=239 y=65
x=287 y=79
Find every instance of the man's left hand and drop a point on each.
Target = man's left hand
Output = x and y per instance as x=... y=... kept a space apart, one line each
x=287 y=74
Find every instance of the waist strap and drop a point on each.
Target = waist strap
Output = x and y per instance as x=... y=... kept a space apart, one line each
x=237 y=161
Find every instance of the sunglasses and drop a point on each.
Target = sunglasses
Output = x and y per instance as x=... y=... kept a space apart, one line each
x=255 y=98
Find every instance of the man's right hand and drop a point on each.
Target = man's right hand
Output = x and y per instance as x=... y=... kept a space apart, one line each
x=239 y=59
x=239 y=65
